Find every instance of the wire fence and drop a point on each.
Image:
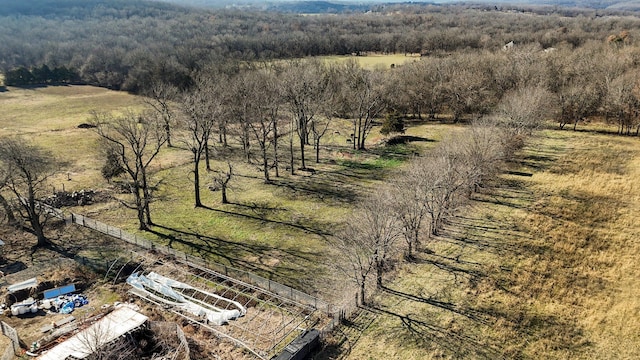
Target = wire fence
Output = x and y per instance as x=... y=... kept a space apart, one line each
x=253 y=279
x=13 y=349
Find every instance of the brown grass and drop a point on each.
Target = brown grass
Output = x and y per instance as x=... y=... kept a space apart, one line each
x=542 y=267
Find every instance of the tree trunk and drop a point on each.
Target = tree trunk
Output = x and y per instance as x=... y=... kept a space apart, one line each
x=353 y=138
x=302 y=143
x=167 y=131
x=275 y=148
x=318 y=151
x=362 y=293
x=379 y=271
x=223 y=190
x=206 y=155
x=265 y=162
x=146 y=197
x=140 y=208
x=11 y=219
x=39 y=231
x=196 y=181
x=291 y=152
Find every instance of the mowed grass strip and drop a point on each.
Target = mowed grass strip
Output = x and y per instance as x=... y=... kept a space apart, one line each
x=542 y=267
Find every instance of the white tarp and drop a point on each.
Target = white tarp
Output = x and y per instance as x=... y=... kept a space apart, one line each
x=165 y=286
x=117 y=323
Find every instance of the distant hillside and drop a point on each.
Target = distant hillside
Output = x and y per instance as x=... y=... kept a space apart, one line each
x=342 y=6
x=318 y=7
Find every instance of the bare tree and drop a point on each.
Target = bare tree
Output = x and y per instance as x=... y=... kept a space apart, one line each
x=319 y=127
x=409 y=205
x=8 y=210
x=201 y=109
x=483 y=150
x=27 y=168
x=446 y=183
x=623 y=101
x=221 y=180
x=242 y=107
x=305 y=91
x=363 y=97
x=94 y=343
x=267 y=99
x=137 y=140
x=520 y=113
x=160 y=97
x=369 y=240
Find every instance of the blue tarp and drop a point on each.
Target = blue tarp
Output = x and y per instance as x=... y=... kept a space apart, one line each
x=50 y=294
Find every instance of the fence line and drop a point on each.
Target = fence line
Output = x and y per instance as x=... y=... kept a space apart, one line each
x=12 y=334
x=253 y=279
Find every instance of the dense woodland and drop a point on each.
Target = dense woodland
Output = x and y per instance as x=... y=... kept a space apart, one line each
x=127 y=44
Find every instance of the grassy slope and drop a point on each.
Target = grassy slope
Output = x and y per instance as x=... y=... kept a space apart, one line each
x=277 y=230
x=543 y=267
x=51 y=115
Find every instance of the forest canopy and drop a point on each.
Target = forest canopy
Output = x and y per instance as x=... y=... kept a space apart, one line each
x=129 y=44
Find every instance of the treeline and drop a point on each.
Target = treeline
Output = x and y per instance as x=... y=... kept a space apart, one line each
x=128 y=45
x=40 y=76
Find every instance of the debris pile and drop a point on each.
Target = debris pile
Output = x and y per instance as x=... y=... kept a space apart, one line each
x=75 y=198
x=65 y=304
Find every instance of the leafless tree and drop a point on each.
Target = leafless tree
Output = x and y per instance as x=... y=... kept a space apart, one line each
x=482 y=145
x=160 y=97
x=94 y=343
x=623 y=101
x=369 y=240
x=446 y=183
x=520 y=113
x=6 y=206
x=137 y=140
x=409 y=204
x=363 y=99
x=27 y=168
x=305 y=91
x=201 y=108
x=222 y=179
x=267 y=101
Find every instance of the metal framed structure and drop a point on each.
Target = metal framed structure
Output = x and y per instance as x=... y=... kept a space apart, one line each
x=271 y=321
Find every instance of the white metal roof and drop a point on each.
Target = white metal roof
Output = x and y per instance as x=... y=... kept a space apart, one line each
x=33 y=282
x=81 y=345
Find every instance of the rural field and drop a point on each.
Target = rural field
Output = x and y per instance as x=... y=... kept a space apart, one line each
x=541 y=265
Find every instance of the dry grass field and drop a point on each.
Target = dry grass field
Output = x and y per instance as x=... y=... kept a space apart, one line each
x=541 y=266
x=375 y=61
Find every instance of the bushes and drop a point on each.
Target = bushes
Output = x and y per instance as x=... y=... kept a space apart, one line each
x=42 y=75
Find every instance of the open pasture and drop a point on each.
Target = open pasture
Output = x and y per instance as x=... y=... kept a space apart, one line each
x=543 y=266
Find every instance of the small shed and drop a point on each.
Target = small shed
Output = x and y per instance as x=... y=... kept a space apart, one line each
x=117 y=323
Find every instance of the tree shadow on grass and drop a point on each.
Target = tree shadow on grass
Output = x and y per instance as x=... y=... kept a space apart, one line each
x=455 y=342
x=265 y=220
x=290 y=267
x=334 y=186
x=467 y=312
